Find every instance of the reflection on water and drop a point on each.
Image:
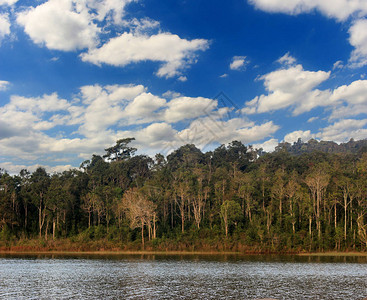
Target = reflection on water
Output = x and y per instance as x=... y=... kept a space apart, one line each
x=182 y=277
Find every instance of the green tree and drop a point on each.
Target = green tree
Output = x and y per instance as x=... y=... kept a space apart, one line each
x=121 y=151
x=231 y=213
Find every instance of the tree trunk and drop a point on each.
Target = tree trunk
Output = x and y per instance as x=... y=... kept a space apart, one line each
x=25 y=215
x=53 y=229
x=335 y=220
x=154 y=228
x=345 y=215
x=40 y=218
x=46 y=231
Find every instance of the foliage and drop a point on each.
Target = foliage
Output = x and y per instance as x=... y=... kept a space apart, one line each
x=302 y=197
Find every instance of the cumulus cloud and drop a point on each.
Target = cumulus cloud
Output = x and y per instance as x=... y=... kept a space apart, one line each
x=14 y=169
x=142 y=26
x=144 y=105
x=238 y=63
x=292 y=87
x=337 y=9
x=109 y=9
x=340 y=132
x=188 y=108
x=350 y=100
x=203 y=132
x=299 y=134
x=100 y=102
x=99 y=115
x=171 y=94
x=175 y=53
x=267 y=146
x=71 y=25
x=26 y=114
x=358 y=39
x=343 y=130
x=60 y=25
x=4 y=27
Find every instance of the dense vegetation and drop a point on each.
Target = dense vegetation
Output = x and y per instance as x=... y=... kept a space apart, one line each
x=232 y=198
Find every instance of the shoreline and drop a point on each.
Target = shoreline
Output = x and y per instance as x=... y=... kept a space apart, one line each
x=177 y=253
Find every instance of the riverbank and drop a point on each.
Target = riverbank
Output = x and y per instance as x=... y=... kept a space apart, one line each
x=168 y=246
x=176 y=253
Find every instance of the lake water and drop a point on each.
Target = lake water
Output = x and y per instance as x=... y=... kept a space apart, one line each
x=182 y=277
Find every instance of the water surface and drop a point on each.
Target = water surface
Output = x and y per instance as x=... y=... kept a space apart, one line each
x=182 y=277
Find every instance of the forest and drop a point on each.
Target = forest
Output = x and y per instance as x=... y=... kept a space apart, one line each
x=303 y=197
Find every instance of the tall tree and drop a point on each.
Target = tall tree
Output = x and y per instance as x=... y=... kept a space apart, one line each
x=40 y=182
x=120 y=151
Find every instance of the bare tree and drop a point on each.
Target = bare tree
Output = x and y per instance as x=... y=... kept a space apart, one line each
x=139 y=210
x=317 y=181
x=291 y=193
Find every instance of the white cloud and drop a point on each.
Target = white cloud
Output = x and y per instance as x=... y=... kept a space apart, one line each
x=338 y=9
x=343 y=130
x=4 y=85
x=4 y=26
x=101 y=102
x=142 y=26
x=339 y=132
x=7 y=2
x=203 y=132
x=358 y=39
x=102 y=114
x=338 y=65
x=355 y=93
x=60 y=25
x=182 y=78
x=267 y=146
x=238 y=63
x=109 y=9
x=46 y=103
x=292 y=87
x=223 y=75
x=155 y=135
x=25 y=114
x=350 y=100
x=70 y=25
x=295 y=135
x=295 y=88
x=15 y=169
x=286 y=59
x=188 y=108
x=312 y=119
x=171 y=94
x=175 y=53
x=144 y=108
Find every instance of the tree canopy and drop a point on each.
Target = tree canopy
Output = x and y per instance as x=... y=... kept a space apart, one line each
x=234 y=197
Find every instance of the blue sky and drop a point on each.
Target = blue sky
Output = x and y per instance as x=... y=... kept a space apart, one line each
x=76 y=75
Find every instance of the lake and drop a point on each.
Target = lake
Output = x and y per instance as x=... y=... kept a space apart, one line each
x=181 y=277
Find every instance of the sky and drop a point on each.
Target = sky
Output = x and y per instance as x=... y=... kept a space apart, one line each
x=77 y=75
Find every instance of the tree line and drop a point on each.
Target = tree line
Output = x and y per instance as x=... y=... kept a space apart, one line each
x=233 y=195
